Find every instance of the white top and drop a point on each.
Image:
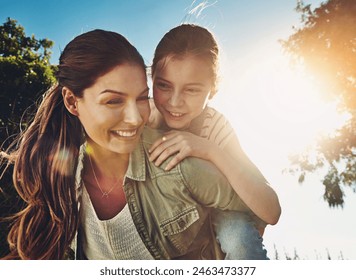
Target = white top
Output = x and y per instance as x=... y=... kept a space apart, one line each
x=113 y=239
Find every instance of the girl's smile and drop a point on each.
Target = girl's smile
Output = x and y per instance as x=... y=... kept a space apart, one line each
x=181 y=89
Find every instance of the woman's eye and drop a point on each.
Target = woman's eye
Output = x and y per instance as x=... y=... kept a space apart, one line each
x=115 y=101
x=143 y=98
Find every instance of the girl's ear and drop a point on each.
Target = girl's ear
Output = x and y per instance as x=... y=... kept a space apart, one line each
x=70 y=101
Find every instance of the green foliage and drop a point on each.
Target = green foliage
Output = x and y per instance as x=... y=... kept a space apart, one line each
x=325 y=44
x=25 y=74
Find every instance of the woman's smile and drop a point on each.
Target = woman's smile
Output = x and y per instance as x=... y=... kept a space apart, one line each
x=115 y=109
x=126 y=133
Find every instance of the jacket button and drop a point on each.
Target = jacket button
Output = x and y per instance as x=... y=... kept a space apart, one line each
x=181 y=223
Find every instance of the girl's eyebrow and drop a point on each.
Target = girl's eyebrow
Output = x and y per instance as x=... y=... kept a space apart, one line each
x=161 y=79
x=195 y=84
x=189 y=84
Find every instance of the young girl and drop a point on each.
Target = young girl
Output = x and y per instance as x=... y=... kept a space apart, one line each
x=184 y=73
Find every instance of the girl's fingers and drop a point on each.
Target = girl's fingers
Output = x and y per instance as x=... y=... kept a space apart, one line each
x=159 y=149
x=175 y=160
x=166 y=153
x=161 y=145
x=157 y=143
x=164 y=147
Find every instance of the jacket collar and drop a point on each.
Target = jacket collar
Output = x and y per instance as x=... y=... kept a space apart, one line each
x=135 y=171
x=137 y=167
x=137 y=163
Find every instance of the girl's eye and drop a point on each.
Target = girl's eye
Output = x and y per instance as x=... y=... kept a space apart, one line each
x=192 y=90
x=163 y=86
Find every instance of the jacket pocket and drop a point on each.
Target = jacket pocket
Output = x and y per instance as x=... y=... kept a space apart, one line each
x=179 y=222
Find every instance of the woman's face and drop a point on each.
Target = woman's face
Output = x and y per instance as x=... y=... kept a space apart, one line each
x=115 y=109
x=181 y=89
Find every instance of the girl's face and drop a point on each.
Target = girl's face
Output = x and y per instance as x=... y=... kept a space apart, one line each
x=115 y=109
x=181 y=89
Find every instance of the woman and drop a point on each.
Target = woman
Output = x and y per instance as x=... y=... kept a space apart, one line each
x=185 y=78
x=98 y=72
x=82 y=168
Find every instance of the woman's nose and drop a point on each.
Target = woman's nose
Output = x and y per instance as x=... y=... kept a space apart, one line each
x=132 y=114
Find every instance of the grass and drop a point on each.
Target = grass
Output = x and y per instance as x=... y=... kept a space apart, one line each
x=297 y=256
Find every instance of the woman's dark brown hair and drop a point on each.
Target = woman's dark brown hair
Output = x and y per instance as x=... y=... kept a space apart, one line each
x=46 y=157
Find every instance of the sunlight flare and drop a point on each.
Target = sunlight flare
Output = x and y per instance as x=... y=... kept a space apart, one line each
x=276 y=107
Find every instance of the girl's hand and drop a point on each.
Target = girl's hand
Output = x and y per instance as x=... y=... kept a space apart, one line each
x=181 y=143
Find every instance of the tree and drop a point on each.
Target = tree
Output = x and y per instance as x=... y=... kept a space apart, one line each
x=325 y=44
x=25 y=74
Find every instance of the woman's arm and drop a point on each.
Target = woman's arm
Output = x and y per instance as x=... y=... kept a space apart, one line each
x=245 y=178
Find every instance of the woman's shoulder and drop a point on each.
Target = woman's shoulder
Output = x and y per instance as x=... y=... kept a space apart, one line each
x=203 y=180
x=196 y=169
x=190 y=165
x=150 y=135
x=208 y=185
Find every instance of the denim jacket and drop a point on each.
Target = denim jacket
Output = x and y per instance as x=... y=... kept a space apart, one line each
x=171 y=209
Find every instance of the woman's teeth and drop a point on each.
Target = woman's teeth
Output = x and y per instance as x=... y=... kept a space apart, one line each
x=126 y=133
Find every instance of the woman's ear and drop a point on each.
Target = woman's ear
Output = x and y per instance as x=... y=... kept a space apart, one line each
x=70 y=101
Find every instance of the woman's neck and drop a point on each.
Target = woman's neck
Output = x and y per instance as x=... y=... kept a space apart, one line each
x=108 y=163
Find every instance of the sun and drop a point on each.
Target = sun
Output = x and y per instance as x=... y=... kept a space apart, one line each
x=275 y=108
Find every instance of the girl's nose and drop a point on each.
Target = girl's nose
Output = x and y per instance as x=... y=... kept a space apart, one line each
x=176 y=99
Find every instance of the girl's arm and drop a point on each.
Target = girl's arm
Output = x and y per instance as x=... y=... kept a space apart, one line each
x=245 y=178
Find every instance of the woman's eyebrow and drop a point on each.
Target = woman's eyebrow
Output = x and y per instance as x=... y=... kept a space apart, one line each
x=122 y=93
x=145 y=90
x=113 y=91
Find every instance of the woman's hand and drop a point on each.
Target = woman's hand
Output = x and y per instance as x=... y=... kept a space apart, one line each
x=181 y=143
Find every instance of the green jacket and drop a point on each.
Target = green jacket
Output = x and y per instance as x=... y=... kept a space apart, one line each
x=171 y=208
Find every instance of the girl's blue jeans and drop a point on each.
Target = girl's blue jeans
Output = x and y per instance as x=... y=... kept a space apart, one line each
x=238 y=237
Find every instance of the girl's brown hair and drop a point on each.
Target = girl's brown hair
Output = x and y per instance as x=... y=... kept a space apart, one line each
x=46 y=157
x=188 y=39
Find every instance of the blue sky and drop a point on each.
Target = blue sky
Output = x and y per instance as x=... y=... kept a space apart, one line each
x=274 y=110
x=236 y=23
